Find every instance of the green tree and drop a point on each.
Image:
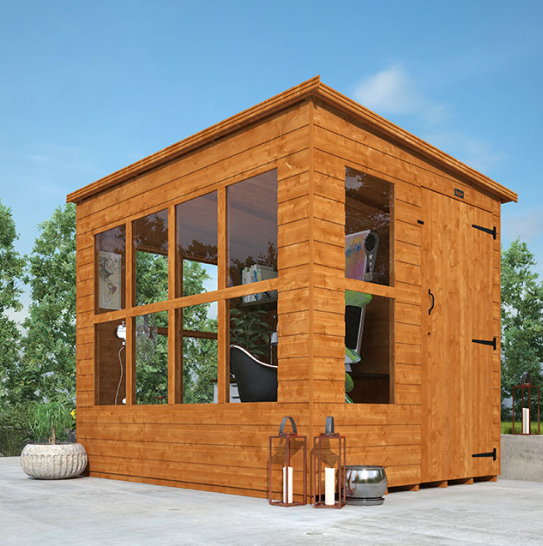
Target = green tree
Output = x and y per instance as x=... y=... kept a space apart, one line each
x=199 y=355
x=11 y=273
x=522 y=317
x=49 y=345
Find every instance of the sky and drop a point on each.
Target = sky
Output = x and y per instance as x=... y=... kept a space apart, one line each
x=86 y=88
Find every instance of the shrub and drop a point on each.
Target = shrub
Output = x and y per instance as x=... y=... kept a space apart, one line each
x=15 y=431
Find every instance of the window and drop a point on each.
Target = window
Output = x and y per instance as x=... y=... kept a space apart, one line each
x=189 y=344
x=110 y=365
x=253 y=347
x=198 y=342
x=152 y=358
x=252 y=229
x=110 y=264
x=368 y=205
x=150 y=237
x=196 y=235
x=368 y=347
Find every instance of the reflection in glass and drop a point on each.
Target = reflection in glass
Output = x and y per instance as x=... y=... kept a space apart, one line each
x=368 y=204
x=110 y=275
x=198 y=338
x=253 y=349
x=196 y=234
x=252 y=229
x=368 y=347
x=152 y=358
x=110 y=365
x=150 y=235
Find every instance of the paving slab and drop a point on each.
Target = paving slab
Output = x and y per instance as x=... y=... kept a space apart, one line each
x=92 y=511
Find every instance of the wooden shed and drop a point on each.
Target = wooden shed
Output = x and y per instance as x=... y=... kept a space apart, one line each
x=367 y=250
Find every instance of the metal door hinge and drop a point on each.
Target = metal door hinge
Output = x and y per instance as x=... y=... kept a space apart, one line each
x=486 y=230
x=486 y=342
x=489 y=454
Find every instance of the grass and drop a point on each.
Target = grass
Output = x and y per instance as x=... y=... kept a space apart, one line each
x=507 y=427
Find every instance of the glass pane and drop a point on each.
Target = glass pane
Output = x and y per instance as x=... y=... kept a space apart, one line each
x=368 y=204
x=197 y=245
x=253 y=349
x=110 y=365
x=198 y=338
x=151 y=253
x=368 y=348
x=252 y=229
x=110 y=278
x=152 y=358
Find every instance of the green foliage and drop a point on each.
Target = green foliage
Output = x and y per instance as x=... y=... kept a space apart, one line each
x=507 y=427
x=199 y=355
x=349 y=383
x=251 y=330
x=152 y=359
x=522 y=317
x=49 y=346
x=15 y=431
x=50 y=420
x=11 y=273
x=151 y=278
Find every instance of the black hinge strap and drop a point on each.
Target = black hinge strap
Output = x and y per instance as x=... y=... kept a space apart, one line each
x=486 y=342
x=489 y=454
x=486 y=230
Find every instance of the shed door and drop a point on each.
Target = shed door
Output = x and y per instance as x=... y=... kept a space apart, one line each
x=456 y=372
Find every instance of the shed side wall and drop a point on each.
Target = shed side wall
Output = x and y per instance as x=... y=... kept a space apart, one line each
x=388 y=435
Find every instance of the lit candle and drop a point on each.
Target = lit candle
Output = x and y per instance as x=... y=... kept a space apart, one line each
x=329 y=486
x=287 y=484
x=525 y=421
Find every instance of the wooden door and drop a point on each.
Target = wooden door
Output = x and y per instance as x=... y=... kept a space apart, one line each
x=456 y=372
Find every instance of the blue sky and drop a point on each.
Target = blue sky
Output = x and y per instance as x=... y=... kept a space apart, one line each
x=88 y=88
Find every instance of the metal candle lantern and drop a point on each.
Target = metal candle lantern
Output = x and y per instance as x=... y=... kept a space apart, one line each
x=331 y=485
x=526 y=384
x=289 y=438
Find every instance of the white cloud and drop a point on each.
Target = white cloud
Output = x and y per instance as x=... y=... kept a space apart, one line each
x=393 y=91
x=388 y=91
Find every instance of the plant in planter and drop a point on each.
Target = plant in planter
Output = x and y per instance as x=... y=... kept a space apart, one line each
x=52 y=460
x=251 y=330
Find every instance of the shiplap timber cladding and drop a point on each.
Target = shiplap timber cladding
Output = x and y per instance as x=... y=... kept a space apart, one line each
x=310 y=134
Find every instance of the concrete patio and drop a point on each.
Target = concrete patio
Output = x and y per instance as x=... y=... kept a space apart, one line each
x=89 y=511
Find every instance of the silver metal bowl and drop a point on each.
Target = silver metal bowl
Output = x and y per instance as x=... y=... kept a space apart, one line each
x=365 y=484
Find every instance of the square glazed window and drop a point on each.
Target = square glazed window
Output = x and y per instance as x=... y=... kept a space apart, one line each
x=368 y=218
x=110 y=269
x=252 y=229
x=150 y=236
x=152 y=358
x=196 y=235
x=252 y=331
x=198 y=341
x=110 y=383
x=368 y=348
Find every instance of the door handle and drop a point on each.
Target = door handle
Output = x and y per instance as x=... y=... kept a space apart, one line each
x=433 y=302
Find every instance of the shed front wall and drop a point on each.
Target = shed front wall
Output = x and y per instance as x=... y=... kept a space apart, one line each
x=392 y=435
x=216 y=447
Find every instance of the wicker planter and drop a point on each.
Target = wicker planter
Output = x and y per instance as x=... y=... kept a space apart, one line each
x=53 y=462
